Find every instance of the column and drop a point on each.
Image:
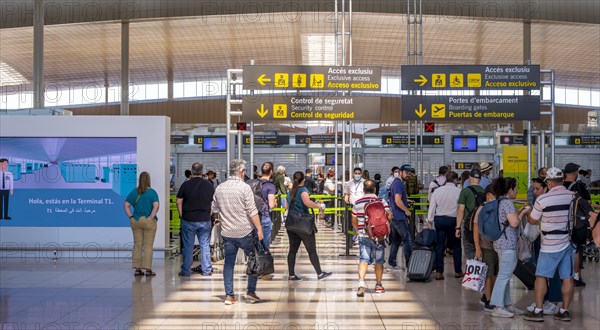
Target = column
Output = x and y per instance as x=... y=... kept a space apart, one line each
x=38 y=54
x=125 y=68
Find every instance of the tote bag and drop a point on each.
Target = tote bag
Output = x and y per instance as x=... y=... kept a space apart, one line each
x=300 y=222
x=475 y=275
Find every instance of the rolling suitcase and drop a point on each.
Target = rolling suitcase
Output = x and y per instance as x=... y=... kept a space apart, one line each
x=420 y=264
x=525 y=272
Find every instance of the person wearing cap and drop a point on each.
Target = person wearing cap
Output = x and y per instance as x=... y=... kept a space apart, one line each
x=571 y=173
x=467 y=204
x=438 y=182
x=551 y=212
x=400 y=218
x=6 y=188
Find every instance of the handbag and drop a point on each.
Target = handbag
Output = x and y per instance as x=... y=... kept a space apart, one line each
x=260 y=261
x=300 y=222
x=532 y=232
x=524 y=246
x=475 y=275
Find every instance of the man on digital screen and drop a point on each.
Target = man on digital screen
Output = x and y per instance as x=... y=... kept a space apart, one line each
x=6 y=188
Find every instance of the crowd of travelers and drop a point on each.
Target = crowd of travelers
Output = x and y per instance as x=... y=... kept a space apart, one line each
x=381 y=215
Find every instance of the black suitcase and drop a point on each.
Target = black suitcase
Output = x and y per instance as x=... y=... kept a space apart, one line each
x=420 y=264
x=525 y=272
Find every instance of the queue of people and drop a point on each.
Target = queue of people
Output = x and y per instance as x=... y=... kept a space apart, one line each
x=455 y=211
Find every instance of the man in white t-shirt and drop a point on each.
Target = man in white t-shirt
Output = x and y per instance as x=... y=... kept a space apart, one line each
x=551 y=211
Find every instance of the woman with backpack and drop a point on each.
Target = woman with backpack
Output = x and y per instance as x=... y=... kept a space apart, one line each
x=505 y=189
x=299 y=201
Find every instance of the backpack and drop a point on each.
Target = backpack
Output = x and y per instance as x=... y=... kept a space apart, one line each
x=579 y=219
x=469 y=223
x=376 y=221
x=438 y=185
x=256 y=186
x=489 y=220
x=385 y=193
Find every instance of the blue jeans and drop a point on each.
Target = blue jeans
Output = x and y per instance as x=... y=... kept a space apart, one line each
x=507 y=264
x=402 y=235
x=231 y=249
x=267 y=227
x=445 y=228
x=190 y=230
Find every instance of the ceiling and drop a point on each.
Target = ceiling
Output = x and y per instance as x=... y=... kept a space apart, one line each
x=203 y=48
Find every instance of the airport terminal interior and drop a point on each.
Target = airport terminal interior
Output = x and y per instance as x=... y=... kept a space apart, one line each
x=93 y=93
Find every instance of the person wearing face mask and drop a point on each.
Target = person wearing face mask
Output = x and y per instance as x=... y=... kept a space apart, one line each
x=354 y=188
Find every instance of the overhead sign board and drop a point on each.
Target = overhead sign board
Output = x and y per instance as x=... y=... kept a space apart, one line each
x=308 y=77
x=179 y=139
x=466 y=108
x=269 y=140
x=318 y=139
x=444 y=77
x=467 y=166
x=198 y=139
x=403 y=139
x=520 y=139
x=585 y=140
x=281 y=108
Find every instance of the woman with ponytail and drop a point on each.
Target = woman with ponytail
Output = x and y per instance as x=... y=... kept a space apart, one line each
x=299 y=200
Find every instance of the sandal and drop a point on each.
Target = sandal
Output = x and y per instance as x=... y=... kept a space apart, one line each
x=138 y=272
x=149 y=272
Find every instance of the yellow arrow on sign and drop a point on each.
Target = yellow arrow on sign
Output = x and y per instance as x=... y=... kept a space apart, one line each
x=262 y=112
x=263 y=79
x=421 y=112
x=422 y=80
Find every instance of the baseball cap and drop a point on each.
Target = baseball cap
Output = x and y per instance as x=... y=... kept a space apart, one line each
x=555 y=173
x=485 y=166
x=475 y=173
x=571 y=168
x=406 y=167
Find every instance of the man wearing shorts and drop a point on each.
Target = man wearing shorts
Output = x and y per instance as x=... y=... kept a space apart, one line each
x=369 y=251
x=556 y=251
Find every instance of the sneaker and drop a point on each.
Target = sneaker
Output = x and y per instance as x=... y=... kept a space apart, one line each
x=579 y=283
x=501 y=312
x=294 y=278
x=197 y=269
x=207 y=274
x=483 y=301
x=252 y=298
x=379 y=288
x=515 y=310
x=531 y=307
x=230 y=300
x=562 y=316
x=394 y=268
x=489 y=308
x=361 y=289
x=550 y=308
x=324 y=275
x=533 y=316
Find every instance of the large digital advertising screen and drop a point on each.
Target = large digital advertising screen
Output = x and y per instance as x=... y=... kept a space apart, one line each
x=67 y=181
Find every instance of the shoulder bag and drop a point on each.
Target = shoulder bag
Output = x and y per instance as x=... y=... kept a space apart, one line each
x=300 y=222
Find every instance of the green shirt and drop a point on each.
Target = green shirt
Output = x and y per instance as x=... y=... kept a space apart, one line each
x=143 y=206
x=467 y=198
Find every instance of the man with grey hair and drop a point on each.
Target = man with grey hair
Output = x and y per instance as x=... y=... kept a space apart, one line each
x=194 y=200
x=234 y=201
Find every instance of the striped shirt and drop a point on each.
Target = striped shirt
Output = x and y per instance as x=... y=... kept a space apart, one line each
x=553 y=208
x=234 y=201
x=358 y=211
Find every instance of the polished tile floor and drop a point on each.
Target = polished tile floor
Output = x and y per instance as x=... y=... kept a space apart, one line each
x=102 y=293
